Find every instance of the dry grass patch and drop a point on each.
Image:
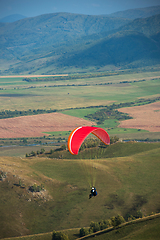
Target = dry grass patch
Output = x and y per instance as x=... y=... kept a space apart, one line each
x=145 y=117
x=35 y=126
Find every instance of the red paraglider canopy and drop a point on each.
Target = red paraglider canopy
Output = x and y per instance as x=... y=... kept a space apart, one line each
x=79 y=134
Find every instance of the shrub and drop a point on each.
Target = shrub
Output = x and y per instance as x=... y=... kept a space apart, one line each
x=105 y=224
x=94 y=227
x=139 y=214
x=36 y=188
x=59 y=236
x=114 y=139
x=83 y=232
x=117 y=220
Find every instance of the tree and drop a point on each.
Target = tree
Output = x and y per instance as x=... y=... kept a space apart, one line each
x=33 y=153
x=42 y=150
x=139 y=214
x=105 y=224
x=117 y=220
x=24 y=140
x=83 y=232
x=51 y=151
x=59 y=236
x=20 y=182
x=94 y=227
x=63 y=147
x=114 y=139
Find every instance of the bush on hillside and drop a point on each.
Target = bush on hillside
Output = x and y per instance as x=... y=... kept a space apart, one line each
x=105 y=224
x=117 y=220
x=36 y=188
x=83 y=232
x=114 y=139
x=59 y=236
x=94 y=227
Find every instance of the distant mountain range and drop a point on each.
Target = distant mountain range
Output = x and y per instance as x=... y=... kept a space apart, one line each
x=59 y=42
x=12 y=18
x=137 y=12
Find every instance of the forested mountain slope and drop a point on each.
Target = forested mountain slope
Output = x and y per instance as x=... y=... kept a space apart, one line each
x=51 y=42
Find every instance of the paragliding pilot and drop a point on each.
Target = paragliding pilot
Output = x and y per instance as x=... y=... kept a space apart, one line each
x=93 y=192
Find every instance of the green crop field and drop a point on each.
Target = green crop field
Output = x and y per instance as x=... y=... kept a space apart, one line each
x=62 y=94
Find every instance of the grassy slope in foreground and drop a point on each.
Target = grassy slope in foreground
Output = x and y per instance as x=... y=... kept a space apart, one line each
x=140 y=229
x=122 y=183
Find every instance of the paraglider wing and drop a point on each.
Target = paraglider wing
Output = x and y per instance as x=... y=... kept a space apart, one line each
x=79 y=134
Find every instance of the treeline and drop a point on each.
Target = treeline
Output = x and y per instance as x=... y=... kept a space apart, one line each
x=16 y=113
x=94 y=227
x=33 y=153
x=103 y=224
x=107 y=111
x=69 y=77
x=73 y=84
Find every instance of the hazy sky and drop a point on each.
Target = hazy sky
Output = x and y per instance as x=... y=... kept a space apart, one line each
x=31 y=8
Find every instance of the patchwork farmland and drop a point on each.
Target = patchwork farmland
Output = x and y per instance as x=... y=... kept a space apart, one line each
x=127 y=180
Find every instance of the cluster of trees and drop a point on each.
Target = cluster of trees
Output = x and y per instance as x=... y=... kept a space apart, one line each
x=110 y=112
x=107 y=113
x=62 y=147
x=33 y=153
x=114 y=139
x=89 y=143
x=94 y=142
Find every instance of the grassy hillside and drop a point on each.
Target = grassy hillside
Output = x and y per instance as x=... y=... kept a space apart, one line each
x=146 y=228
x=119 y=149
x=124 y=184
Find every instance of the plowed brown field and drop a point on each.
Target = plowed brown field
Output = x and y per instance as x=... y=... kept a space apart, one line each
x=145 y=117
x=34 y=126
